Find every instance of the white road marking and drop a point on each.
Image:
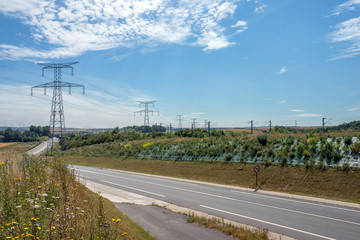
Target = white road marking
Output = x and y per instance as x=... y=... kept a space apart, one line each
x=229 y=198
x=292 y=200
x=270 y=223
x=120 y=185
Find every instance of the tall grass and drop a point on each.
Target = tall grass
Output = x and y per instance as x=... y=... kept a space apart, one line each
x=41 y=199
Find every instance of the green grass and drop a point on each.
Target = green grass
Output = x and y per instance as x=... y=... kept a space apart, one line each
x=327 y=183
x=41 y=199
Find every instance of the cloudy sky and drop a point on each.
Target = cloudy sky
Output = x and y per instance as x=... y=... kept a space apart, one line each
x=227 y=61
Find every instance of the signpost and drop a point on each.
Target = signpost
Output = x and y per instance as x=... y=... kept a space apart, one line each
x=256 y=170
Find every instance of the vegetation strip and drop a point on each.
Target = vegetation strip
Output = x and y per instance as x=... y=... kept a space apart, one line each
x=41 y=199
x=229 y=229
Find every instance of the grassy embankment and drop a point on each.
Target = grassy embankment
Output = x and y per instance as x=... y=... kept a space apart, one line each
x=326 y=183
x=41 y=199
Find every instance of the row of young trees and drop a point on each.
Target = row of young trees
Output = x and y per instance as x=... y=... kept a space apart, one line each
x=326 y=150
x=31 y=135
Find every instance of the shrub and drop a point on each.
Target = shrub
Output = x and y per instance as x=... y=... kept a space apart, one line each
x=348 y=140
x=228 y=157
x=306 y=154
x=312 y=141
x=262 y=139
x=355 y=148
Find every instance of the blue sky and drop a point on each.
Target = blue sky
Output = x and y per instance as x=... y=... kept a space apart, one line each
x=220 y=60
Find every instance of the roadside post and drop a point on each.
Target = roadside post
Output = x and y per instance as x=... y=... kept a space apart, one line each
x=256 y=170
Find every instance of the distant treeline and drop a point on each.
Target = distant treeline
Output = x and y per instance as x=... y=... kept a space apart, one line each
x=31 y=135
x=354 y=125
x=147 y=129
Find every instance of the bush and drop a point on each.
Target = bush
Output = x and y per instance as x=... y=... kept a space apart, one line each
x=312 y=141
x=348 y=140
x=228 y=157
x=262 y=139
x=355 y=148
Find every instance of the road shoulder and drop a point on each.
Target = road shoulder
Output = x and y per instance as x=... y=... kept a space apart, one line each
x=157 y=222
x=271 y=193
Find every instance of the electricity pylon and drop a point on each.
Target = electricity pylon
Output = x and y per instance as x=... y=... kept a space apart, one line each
x=193 y=124
x=146 y=111
x=180 y=120
x=57 y=119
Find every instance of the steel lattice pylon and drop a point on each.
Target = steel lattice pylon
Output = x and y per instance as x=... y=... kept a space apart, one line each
x=146 y=111
x=57 y=118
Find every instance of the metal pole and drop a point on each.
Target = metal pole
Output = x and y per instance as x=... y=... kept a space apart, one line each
x=256 y=180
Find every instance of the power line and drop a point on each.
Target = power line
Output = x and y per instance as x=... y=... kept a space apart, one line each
x=146 y=111
x=180 y=120
x=193 y=124
x=57 y=118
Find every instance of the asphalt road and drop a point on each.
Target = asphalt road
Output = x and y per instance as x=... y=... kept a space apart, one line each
x=42 y=147
x=296 y=218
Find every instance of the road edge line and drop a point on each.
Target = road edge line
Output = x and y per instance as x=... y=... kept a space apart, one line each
x=92 y=186
x=272 y=193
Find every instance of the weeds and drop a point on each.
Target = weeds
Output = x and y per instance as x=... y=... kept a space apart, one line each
x=41 y=199
x=228 y=229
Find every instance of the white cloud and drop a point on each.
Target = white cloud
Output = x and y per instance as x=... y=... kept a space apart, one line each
x=354 y=109
x=283 y=70
x=296 y=110
x=282 y=102
x=308 y=115
x=198 y=113
x=347 y=32
x=346 y=6
x=73 y=27
x=241 y=25
x=259 y=7
x=96 y=109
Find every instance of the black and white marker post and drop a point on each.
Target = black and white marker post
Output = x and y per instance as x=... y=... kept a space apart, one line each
x=256 y=170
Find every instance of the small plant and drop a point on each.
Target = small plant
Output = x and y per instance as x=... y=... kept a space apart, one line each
x=355 y=148
x=262 y=139
x=348 y=140
x=312 y=141
x=228 y=157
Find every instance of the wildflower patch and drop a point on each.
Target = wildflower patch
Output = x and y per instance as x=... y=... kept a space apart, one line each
x=148 y=144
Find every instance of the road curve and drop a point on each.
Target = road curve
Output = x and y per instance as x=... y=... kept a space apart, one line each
x=300 y=219
x=42 y=147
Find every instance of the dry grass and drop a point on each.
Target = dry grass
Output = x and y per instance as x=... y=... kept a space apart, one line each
x=243 y=130
x=6 y=144
x=329 y=183
x=228 y=229
x=41 y=199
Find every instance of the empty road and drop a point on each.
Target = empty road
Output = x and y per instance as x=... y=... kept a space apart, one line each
x=42 y=147
x=296 y=218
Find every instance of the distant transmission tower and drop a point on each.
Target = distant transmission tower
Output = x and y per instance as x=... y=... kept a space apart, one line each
x=146 y=111
x=57 y=119
x=180 y=120
x=193 y=124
